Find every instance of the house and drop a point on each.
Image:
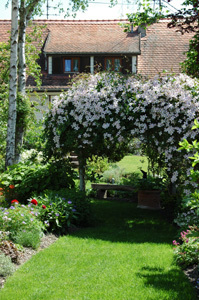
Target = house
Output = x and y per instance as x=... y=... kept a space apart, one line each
x=72 y=47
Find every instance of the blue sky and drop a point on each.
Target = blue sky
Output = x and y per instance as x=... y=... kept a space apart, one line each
x=97 y=10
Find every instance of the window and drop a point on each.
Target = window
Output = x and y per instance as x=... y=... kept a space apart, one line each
x=71 y=64
x=113 y=64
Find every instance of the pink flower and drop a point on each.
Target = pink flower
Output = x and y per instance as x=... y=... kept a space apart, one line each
x=34 y=201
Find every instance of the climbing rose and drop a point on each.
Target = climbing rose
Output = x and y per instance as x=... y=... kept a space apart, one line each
x=11 y=186
x=14 y=201
x=34 y=201
x=43 y=206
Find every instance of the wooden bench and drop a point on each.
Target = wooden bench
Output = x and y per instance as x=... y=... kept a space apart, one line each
x=103 y=188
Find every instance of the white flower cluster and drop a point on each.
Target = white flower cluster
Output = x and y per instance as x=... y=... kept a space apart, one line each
x=162 y=114
x=110 y=108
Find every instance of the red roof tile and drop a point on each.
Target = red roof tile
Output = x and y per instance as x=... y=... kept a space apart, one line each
x=162 y=49
x=89 y=37
x=5 y=29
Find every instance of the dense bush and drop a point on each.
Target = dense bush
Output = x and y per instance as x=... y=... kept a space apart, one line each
x=29 y=178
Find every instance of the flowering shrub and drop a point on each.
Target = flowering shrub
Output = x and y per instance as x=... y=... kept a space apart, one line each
x=21 y=220
x=101 y=113
x=187 y=218
x=89 y=119
x=56 y=212
x=64 y=207
x=187 y=251
x=162 y=114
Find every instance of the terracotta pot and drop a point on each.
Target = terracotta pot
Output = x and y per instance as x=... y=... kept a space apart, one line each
x=149 y=199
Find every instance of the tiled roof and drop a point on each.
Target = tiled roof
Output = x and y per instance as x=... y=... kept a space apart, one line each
x=162 y=49
x=5 y=29
x=89 y=37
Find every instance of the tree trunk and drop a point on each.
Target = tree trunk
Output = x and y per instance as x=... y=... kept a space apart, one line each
x=25 y=15
x=21 y=76
x=12 y=113
x=82 y=165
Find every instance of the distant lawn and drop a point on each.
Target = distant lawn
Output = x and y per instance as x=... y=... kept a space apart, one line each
x=126 y=255
x=132 y=163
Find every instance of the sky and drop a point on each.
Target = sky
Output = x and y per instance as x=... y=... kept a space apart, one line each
x=97 y=10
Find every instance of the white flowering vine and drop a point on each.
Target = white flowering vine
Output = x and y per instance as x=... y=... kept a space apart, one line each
x=101 y=113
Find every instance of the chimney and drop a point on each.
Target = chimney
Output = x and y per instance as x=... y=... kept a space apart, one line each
x=142 y=30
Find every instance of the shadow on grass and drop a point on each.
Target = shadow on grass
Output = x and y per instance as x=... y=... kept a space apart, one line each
x=171 y=280
x=123 y=222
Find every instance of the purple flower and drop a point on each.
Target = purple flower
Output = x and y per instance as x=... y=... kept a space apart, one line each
x=69 y=202
x=57 y=214
x=63 y=198
x=73 y=209
x=12 y=207
x=24 y=222
x=22 y=215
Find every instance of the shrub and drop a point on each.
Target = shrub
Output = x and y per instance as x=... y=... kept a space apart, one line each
x=6 y=266
x=187 y=252
x=20 y=218
x=28 y=238
x=95 y=166
x=29 y=178
x=114 y=174
x=60 y=209
x=189 y=214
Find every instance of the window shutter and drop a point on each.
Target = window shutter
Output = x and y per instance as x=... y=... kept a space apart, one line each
x=92 y=64
x=134 y=64
x=50 y=65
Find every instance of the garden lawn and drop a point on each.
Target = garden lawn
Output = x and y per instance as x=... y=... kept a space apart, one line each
x=133 y=163
x=126 y=255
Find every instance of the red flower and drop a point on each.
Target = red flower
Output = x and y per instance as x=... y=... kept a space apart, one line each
x=34 y=201
x=1 y=189
x=11 y=186
x=43 y=206
x=14 y=201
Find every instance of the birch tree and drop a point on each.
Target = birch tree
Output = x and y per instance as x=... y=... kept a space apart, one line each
x=22 y=11
x=27 y=9
x=25 y=13
x=12 y=114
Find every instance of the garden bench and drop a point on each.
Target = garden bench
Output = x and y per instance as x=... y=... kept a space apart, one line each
x=103 y=188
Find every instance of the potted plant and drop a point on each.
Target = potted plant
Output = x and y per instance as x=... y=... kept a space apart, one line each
x=149 y=189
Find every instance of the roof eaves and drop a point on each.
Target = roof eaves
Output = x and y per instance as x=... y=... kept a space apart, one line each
x=94 y=53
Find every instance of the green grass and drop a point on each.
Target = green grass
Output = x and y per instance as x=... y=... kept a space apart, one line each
x=126 y=255
x=132 y=163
